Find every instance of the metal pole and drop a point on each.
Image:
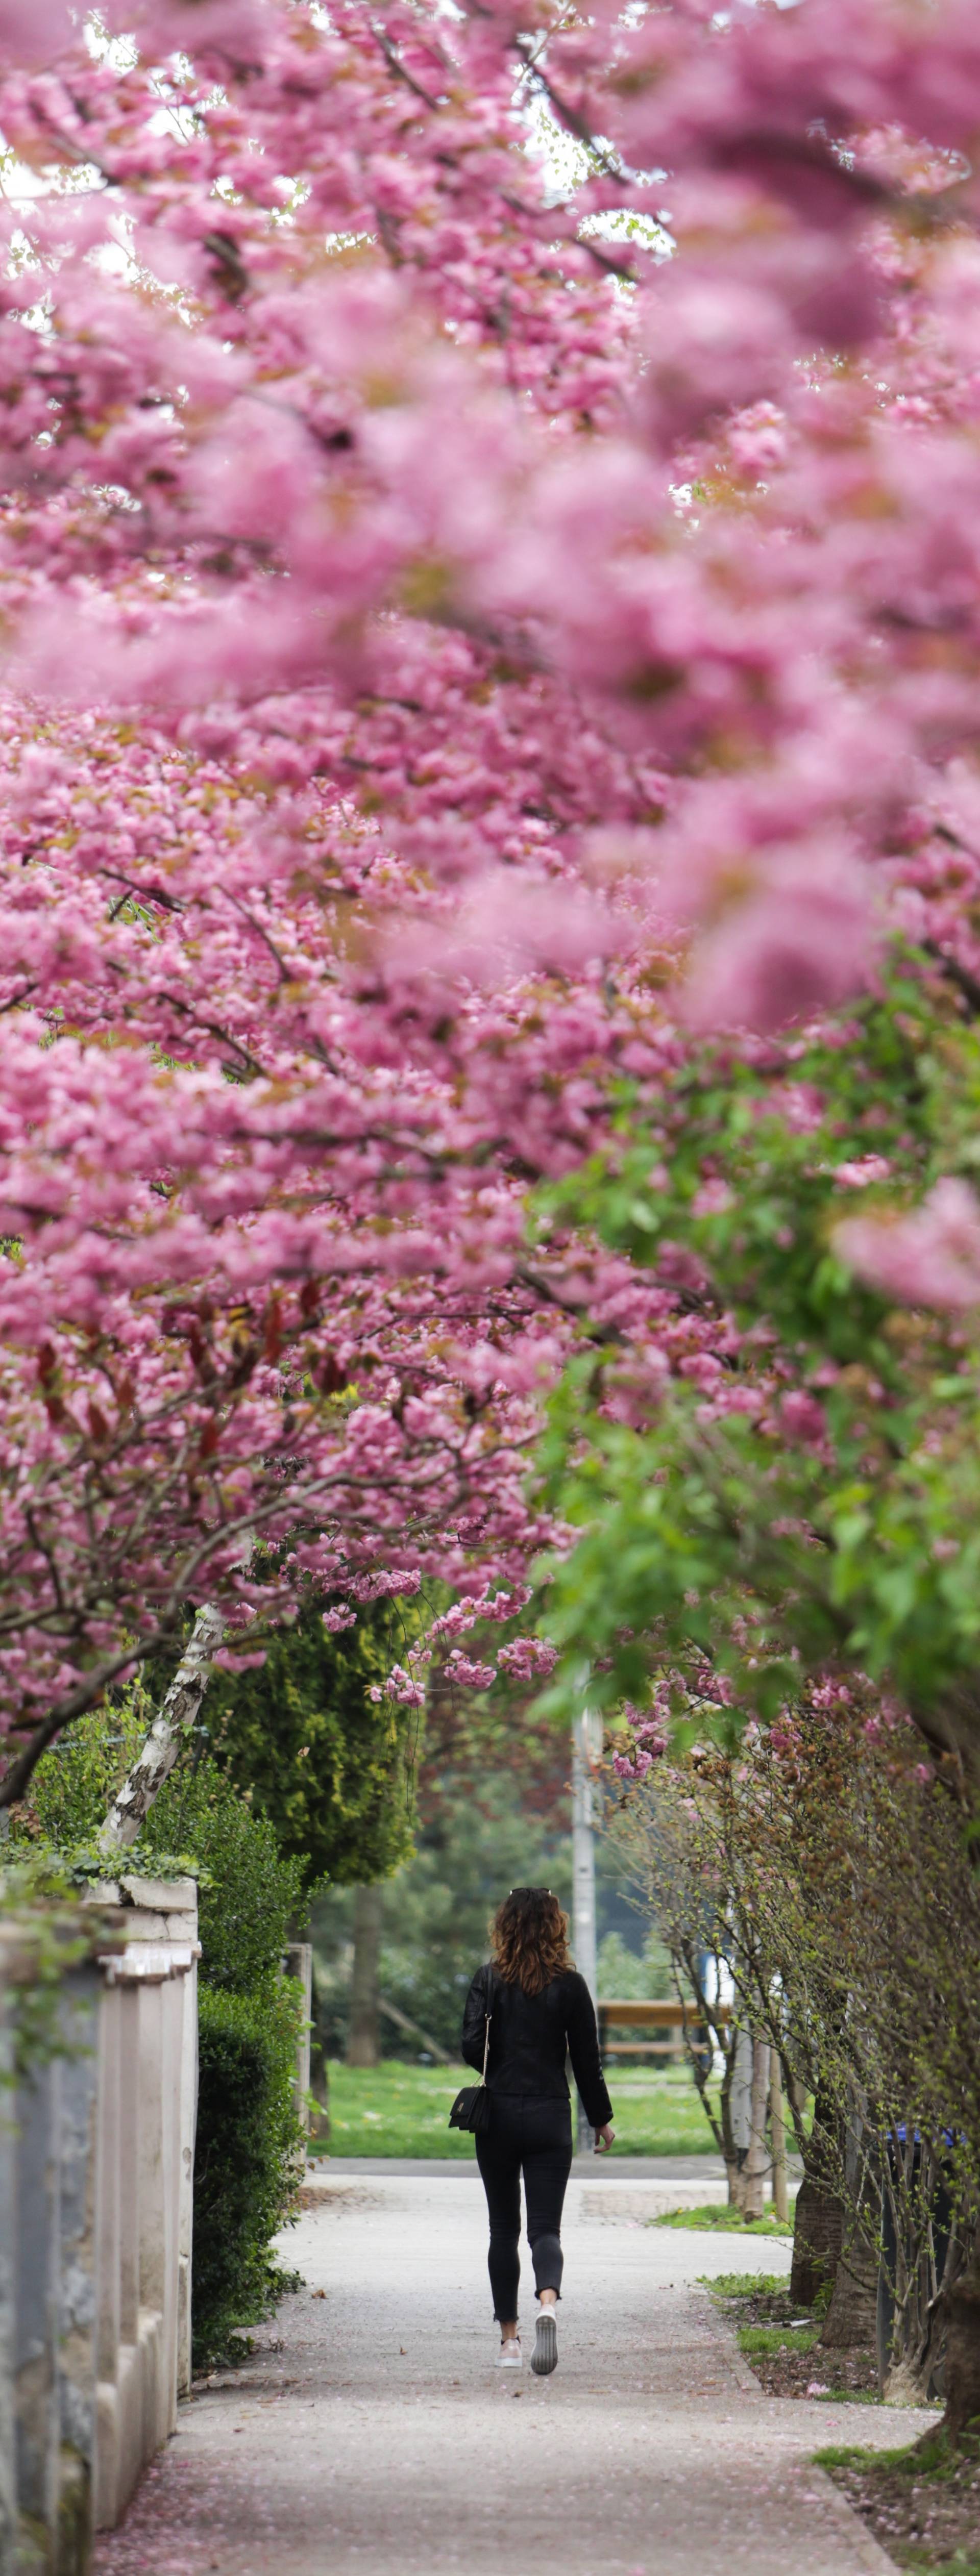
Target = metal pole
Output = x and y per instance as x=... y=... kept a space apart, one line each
x=586 y=1754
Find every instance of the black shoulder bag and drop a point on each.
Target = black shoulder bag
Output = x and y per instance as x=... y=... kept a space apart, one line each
x=471 y=2109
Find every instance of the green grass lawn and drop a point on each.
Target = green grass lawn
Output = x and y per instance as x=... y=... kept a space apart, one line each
x=717 y=2215
x=742 y=2285
x=401 y=2110
x=777 y=2338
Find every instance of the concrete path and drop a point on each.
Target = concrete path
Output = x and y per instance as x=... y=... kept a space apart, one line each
x=699 y=2169
x=372 y=2436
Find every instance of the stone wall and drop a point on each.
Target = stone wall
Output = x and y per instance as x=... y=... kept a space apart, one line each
x=96 y=2186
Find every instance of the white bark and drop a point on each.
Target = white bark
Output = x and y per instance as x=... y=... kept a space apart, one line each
x=170 y=1725
x=757 y=2160
x=780 y=2190
x=740 y=2113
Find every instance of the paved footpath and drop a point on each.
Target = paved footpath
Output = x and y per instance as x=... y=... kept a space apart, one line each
x=372 y=2436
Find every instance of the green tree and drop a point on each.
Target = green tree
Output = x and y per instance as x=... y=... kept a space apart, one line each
x=437 y=1908
x=817 y=1508
x=492 y=1810
x=329 y=1766
x=823 y=1508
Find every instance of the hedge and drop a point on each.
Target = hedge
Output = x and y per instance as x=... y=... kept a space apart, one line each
x=247 y=2136
x=250 y=1896
x=244 y=2182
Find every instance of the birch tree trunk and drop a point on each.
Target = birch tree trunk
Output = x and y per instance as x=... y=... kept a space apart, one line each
x=757 y=2160
x=739 y=2116
x=178 y=1712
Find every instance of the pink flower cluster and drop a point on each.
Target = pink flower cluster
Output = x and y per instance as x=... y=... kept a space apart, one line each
x=646 y=1737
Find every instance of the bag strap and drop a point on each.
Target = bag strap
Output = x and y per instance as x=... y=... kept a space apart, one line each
x=488 y=2012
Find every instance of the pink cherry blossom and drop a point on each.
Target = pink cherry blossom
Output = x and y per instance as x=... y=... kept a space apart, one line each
x=929 y=1257
x=438 y=684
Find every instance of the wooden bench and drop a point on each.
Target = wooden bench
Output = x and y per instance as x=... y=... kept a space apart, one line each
x=662 y=2014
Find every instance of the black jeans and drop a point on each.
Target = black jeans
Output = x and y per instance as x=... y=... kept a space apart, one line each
x=533 y=2131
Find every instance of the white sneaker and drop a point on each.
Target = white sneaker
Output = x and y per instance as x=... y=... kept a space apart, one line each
x=544 y=2358
x=510 y=2356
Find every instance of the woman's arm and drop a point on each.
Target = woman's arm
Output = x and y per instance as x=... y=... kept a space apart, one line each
x=583 y=2048
x=474 y=2021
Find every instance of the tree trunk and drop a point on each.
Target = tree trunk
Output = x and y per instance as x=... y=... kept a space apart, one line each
x=170 y=1726
x=757 y=2160
x=852 y=2315
x=737 y=2104
x=780 y=2194
x=686 y=1968
x=818 y=2229
x=962 y=2306
x=735 y=2178
x=319 y=2070
x=362 y=2042
x=414 y=2030
x=953 y=1725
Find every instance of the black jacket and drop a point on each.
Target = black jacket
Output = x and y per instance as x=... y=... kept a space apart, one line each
x=530 y=2036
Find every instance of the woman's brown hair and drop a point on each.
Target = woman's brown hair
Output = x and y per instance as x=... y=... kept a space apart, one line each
x=529 y=1933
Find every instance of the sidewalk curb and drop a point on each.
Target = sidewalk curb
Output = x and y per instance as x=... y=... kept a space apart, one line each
x=744 y=2378
x=873 y=2556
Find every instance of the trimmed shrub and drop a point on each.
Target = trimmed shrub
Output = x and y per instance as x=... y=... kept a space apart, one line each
x=246 y=2181
x=77 y=1779
x=245 y=2185
x=249 y=1894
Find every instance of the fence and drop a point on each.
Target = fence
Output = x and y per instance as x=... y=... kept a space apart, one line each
x=666 y=2015
x=96 y=2180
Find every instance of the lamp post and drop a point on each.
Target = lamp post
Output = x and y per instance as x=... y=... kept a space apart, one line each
x=586 y=1757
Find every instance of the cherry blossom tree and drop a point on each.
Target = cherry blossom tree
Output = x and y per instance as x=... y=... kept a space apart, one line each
x=270 y=1317
x=489 y=598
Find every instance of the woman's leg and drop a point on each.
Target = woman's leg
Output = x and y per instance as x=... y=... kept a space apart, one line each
x=547 y=2164
x=498 y=2157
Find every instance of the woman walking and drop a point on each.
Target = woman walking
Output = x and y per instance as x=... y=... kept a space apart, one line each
x=539 y=2011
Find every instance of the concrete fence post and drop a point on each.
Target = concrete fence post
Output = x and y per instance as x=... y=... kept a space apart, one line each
x=128 y=2008
x=75 y=2258
x=96 y=2179
x=37 y=2193
x=298 y=1963
x=186 y=1991
x=155 y=1996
